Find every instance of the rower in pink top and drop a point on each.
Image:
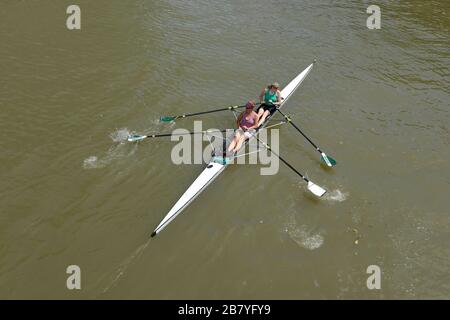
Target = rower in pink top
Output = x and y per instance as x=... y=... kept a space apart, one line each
x=247 y=123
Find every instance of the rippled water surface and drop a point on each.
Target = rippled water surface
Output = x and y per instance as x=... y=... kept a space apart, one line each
x=72 y=192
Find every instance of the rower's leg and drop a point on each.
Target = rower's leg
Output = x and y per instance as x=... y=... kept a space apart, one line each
x=239 y=143
x=235 y=140
x=260 y=112
x=263 y=118
x=232 y=144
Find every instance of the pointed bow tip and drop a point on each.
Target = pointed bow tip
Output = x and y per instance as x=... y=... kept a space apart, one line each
x=153 y=234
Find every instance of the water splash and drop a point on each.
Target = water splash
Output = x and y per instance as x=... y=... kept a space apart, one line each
x=302 y=236
x=336 y=196
x=120 y=135
x=119 y=151
x=90 y=162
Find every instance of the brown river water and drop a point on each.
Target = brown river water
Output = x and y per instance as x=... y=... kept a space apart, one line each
x=72 y=192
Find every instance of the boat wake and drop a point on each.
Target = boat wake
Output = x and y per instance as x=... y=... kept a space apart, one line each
x=120 y=271
x=117 y=151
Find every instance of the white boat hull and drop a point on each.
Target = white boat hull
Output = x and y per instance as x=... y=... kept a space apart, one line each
x=207 y=176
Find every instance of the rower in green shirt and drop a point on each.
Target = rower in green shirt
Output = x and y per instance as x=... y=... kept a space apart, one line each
x=270 y=99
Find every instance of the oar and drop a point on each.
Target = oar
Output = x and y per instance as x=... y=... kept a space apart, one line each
x=325 y=158
x=137 y=137
x=173 y=118
x=314 y=188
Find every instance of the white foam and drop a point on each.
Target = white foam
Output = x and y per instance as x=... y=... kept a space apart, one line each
x=336 y=195
x=120 y=135
x=90 y=162
x=302 y=236
x=115 y=152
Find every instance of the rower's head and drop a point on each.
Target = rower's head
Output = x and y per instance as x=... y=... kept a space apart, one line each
x=274 y=86
x=249 y=106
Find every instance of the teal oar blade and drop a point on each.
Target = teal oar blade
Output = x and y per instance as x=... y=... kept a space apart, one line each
x=135 y=138
x=329 y=161
x=167 y=119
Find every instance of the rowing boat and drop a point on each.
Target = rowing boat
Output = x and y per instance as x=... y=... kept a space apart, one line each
x=215 y=168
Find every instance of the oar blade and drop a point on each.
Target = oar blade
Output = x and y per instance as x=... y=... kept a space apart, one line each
x=317 y=190
x=329 y=161
x=135 y=138
x=167 y=119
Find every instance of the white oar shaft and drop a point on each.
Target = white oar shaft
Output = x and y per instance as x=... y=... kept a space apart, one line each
x=314 y=188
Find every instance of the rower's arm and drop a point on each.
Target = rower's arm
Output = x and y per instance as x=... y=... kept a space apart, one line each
x=238 y=120
x=261 y=96
x=278 y=97
x=255 y=126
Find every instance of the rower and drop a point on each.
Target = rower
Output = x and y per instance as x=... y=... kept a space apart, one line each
x=270 y=99
x=247 y=123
